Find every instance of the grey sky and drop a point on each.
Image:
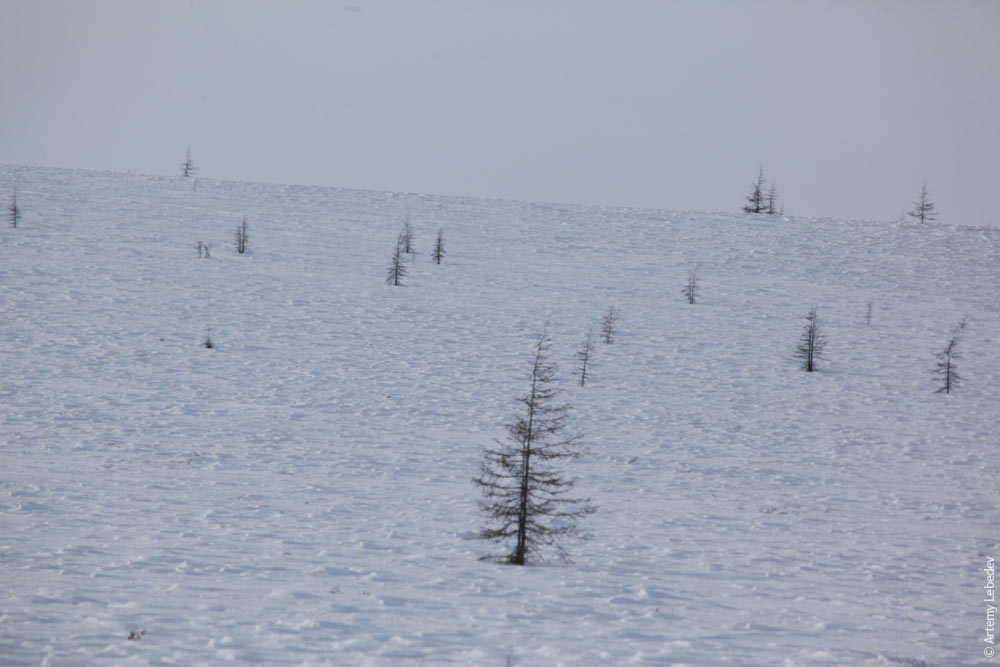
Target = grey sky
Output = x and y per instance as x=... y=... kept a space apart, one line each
x=849 y=105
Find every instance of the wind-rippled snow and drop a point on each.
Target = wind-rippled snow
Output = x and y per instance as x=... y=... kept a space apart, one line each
x=301 y=493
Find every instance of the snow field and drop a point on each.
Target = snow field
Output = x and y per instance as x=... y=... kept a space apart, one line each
x=301 y=493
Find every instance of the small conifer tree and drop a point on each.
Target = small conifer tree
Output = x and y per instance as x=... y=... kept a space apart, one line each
x=437 y=254
x=923 y=208
x=756 y=198
x=241 y=236
x=524 y=495
x=812 y=343
x=13 y=211
x=609 y=326
x=187 y=167
x=690 y=290
x=397 y=267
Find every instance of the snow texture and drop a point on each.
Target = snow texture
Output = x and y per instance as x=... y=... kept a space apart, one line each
x=301 y=494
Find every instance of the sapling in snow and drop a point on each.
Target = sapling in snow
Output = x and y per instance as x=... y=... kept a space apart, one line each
x=690 y=290
x=437 y=254
x=923 y=208
x=406 y=237
x=945 y=367
x=241 y=236
x=609 y=326
x=187 y=167
x=524 y=495
x=397 y=267
x=13 y=211
x=583 y=356
x=756 y=198
x=812 y=343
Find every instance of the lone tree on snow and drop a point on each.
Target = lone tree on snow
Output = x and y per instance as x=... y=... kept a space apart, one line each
x=13 y=211
x=923 y=209
x=241 y=236
x=187 y=167
x=397 y=267
x=756 y=199
x=945 y=367
x=437 y=254
x=524 y=497
x=609 y=326
x=812 y=343
x=690 y=290
x=583 y=356
x=406 y=237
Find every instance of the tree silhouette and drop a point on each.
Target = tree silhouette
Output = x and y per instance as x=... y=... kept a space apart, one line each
x=772 y=199
x=397 y=267
x=755 y=200
x=524 y=496
x=609 y=326
x=584 y=354
x=437 y=254
x=923 y=208
x=14 y=211
x=187 y=167
x=812 y=343
x=690 y=290
x=241 y=236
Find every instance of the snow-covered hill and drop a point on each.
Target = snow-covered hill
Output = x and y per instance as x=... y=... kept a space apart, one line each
x=301 y=493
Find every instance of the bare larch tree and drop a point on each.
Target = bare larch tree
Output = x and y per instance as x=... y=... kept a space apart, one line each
x=437 y=254
x=923 y=208
x=812 y=343
x=772 y=199
x=755 y=200
x=240 y=237
x=525 y=502
x=690 y=290
x=406 y=237
x=187 y=167
x=397 y=267
x=609 y=326
x=13 y=211
x=945 y=367
x=583 y=356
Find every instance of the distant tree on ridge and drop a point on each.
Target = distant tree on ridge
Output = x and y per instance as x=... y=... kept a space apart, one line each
x=755 y=200
x=923 y=208
x=187 y=167
x=772 y=199
x=14 y=211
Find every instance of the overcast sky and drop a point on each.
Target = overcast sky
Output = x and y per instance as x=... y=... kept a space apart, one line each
x=849 y=105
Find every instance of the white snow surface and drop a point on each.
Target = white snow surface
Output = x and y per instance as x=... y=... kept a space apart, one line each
x=301 y=493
